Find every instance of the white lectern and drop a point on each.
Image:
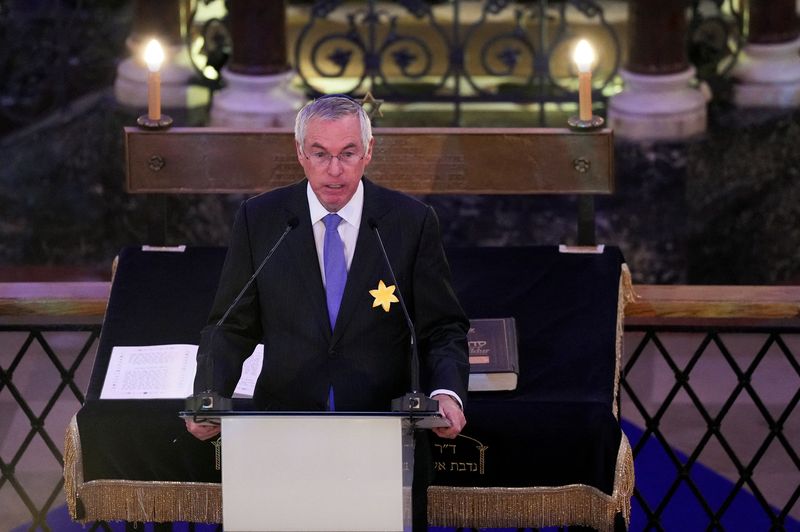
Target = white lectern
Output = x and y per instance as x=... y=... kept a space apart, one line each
x=332 y=471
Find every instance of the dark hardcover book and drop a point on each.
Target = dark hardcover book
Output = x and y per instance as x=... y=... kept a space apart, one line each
x=493 y=355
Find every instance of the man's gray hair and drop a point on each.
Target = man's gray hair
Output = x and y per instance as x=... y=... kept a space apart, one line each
x=332 y=108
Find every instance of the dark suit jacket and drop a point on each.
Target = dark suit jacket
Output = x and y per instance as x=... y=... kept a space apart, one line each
x=366 y=356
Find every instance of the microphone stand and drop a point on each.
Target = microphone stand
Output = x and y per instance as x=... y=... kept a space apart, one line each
x=210 y=400
x=413 y=401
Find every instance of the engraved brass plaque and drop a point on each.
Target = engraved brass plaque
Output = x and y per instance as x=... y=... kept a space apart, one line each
x=414 y=160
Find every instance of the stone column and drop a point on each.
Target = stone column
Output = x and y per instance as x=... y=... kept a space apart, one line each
x=165 y=20
x=657 y=102
x=257 y=92
x=767 y=73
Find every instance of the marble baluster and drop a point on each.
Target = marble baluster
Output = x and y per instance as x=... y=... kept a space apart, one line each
x=767 y=73
x=658 y=101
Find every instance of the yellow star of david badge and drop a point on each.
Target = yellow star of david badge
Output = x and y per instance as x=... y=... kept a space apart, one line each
x=384 y=296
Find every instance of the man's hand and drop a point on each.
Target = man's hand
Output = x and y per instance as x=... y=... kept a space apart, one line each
x=451 y=410
x=202 y=431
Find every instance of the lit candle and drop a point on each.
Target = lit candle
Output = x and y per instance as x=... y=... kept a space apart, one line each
x=584 y=57
x=154 y=56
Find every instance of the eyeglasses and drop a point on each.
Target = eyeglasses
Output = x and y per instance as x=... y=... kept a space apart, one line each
x=322 y=158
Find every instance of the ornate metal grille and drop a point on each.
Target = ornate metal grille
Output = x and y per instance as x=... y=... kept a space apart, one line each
x=36 y=338
x=495 y=51
x=716 y=37
x=768 y=368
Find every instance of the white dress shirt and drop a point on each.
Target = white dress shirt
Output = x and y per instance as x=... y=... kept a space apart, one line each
x=348 y=227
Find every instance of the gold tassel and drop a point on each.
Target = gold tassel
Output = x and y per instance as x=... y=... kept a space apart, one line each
x=624 y=479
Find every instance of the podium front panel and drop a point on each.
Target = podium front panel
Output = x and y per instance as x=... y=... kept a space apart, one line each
x=314 y=473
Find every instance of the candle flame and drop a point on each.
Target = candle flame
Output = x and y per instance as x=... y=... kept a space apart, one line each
x=153 y=55
x=584 y=56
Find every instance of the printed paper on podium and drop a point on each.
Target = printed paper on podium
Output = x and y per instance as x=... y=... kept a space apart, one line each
x=166 y=372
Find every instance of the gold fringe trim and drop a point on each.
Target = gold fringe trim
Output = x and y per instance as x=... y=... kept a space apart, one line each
x=625 y=294
x=114 y=265
x=132 y=500
x=629 y=292
x=536 y=507
x=73 y=467
x=622 y=300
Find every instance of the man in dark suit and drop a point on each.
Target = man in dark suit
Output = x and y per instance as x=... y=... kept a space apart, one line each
x=324 y=305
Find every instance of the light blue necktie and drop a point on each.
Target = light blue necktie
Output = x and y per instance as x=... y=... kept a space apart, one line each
x=335 y=266
x=335 y=275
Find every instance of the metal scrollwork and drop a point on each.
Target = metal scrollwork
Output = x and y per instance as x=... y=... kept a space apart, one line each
x=535 y=52
x=322 y=8
x=495 y=6
x=418 y=8
x=588 y=8
x=371 y=49
x=403 y=56
x=517 y=43
x=209 y=43
x=716 y=37
x=500 y=51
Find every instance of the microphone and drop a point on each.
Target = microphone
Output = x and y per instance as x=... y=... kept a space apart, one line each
x=210 y=400
x=414 y=401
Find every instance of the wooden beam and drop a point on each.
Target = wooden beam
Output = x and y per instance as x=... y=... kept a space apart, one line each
x=78 y=299
x=697 y=301
x=414 y=160
x=89 y=299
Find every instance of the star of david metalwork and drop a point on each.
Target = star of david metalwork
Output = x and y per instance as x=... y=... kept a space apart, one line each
x=374 y=105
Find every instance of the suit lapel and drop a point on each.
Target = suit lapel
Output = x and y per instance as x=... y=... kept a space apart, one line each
x=305 y=261
x=367 y=258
